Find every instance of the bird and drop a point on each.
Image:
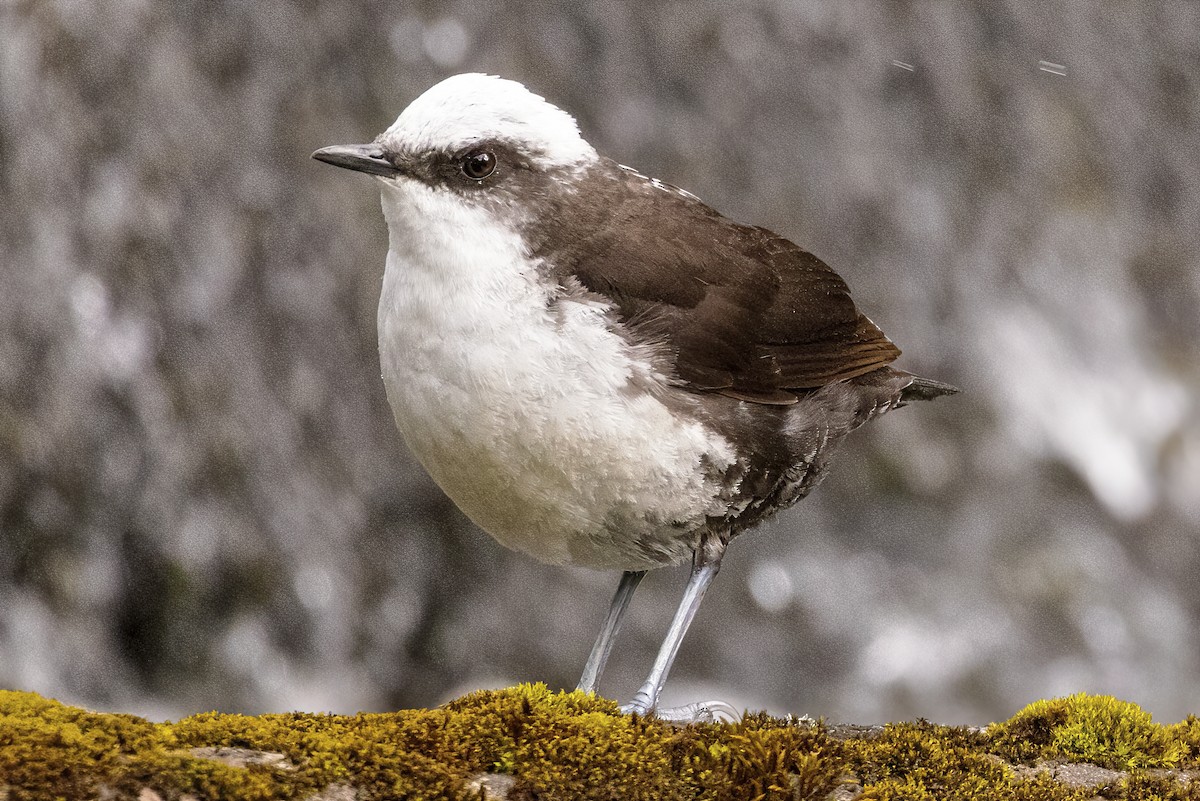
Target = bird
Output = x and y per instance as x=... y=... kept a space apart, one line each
x=598 y=368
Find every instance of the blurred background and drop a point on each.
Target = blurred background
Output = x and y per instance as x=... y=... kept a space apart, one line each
x=204 y=503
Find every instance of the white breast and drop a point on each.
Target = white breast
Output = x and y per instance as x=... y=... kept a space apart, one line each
x=523 y=413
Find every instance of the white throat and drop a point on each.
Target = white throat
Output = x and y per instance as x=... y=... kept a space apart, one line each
x=520 y=404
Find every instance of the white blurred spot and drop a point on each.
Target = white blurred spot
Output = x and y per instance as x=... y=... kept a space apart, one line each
x=118 y=347
x=92 y=579
x=245 y=646
x=1052 y=68
x=89 y=302
x=198 y=537
x=771 y=586
x=916 y=655
x=1067 y=675
x=446 y=42
x=29 y=654
x=893 y=654
x=125 y=348
x=1088 y=395
x=314 y=586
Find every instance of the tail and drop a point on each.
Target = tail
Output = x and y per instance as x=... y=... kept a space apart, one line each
x=925 y=389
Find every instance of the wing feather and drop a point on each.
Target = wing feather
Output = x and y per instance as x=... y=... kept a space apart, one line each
x=742 y=310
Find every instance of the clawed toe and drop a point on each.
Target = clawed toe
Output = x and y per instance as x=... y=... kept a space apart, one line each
x=698 y=712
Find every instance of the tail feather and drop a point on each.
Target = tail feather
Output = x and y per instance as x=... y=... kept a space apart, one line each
x=925 y=389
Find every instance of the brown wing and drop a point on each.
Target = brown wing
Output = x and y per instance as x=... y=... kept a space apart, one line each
x=744 y=311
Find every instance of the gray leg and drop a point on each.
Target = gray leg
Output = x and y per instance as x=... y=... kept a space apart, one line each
x=705 y=564
x=590 y=680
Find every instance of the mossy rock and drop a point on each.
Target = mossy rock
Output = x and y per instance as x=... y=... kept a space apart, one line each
x=529 y=743
x=1098 y=729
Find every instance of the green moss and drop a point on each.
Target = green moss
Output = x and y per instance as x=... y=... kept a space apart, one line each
x=1143 y=786
x=46 y=744
x=1098 y=729
x=1188 y=733
x=576 y=746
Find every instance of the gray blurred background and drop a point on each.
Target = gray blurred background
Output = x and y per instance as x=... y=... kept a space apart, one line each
x=203 y=501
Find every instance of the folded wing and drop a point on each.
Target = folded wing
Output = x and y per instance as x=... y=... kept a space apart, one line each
x=742 y=310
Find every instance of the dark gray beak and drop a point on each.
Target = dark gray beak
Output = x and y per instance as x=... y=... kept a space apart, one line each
x=364 y=158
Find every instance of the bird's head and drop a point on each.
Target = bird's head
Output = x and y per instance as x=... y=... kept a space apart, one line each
x=482 y=138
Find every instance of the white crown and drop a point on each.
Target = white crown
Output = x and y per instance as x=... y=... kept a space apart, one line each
x=473 y=107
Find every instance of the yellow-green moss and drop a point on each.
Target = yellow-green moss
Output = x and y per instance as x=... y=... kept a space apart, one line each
x=576 y=746
x=1097 y=729
x=1143 y=786
x=1188 y=733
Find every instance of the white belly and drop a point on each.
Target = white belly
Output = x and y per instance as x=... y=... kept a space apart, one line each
x=524 y=415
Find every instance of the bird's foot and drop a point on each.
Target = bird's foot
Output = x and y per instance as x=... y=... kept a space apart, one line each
x=698 y=712
x=643 y=703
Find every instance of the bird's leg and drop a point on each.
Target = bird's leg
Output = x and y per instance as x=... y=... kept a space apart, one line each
x=706 y=561
x=590 y=680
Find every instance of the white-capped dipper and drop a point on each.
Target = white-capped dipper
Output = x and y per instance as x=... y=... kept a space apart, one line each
x=598 y=368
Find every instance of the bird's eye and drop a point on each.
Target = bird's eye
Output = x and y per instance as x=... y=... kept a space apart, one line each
x=479 y=165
